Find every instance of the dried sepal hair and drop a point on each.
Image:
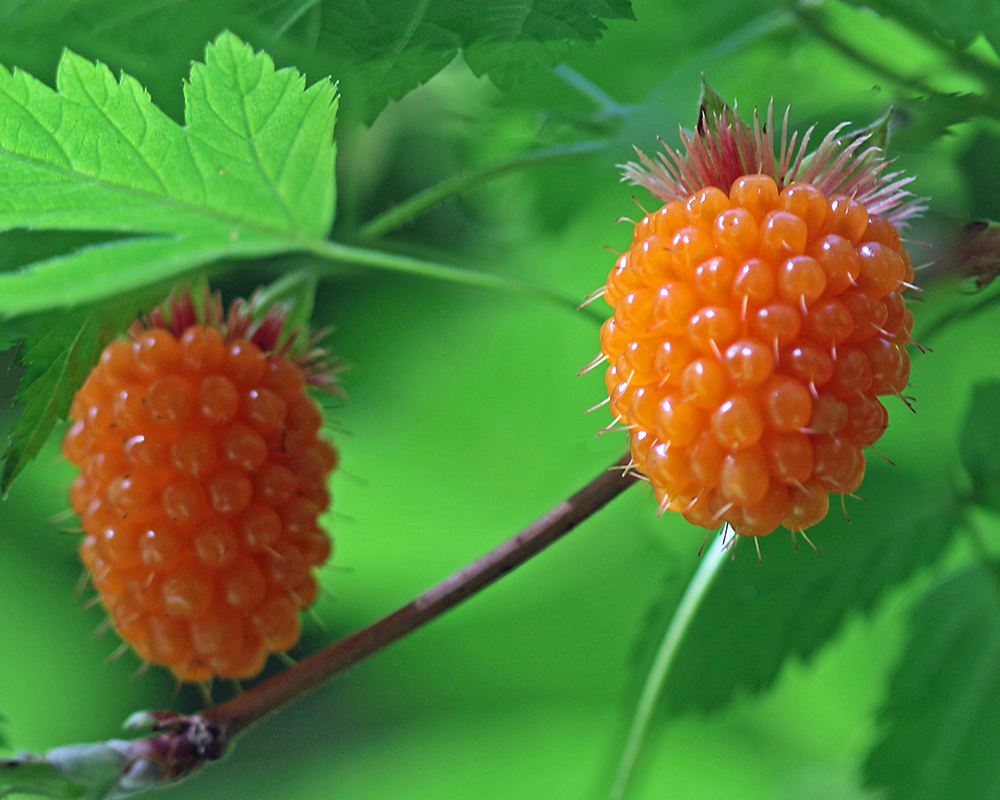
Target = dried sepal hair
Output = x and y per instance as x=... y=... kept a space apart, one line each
x=723 y=148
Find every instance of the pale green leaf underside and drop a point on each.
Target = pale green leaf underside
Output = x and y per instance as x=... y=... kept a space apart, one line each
x=250 y=172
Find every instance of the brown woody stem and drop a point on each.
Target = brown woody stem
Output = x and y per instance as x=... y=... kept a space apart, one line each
x=233 y=716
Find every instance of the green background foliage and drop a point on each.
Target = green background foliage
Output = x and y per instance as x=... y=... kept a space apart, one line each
x=803 y=677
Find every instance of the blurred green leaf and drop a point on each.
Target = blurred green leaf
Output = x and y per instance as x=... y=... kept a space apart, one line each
x=959 y=21
x=926 y=118
x=756 y=616
x=251 y=173
x=980 y=444
x=35 y=777
x=940 y=736
x=380 y=51
x=383 y=51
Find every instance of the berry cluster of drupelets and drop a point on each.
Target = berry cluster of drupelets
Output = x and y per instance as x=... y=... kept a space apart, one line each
x=752 y=336
x=202 y=475
x=758 y=317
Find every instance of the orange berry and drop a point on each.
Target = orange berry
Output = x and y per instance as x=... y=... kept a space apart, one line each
x=782 y=235
x=689 y=247
x=704 y=460
x=762 y=517
x=194 y=452
x=677 y=420
x=713 y=279
x=757 y=319
x=748 y=352
x=807 y=505
x=202 y=475
x=839 y=260
x=215 y=543
x=671 y=307
x=829 y=322
x=713 y=328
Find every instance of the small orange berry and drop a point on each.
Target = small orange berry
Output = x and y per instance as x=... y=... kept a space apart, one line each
x=202 y=477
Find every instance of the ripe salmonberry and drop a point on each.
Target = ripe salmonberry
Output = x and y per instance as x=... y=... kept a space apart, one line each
x=202 y=476
x=758 y=315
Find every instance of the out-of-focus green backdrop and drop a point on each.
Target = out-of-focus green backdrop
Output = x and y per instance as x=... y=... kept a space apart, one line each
x=464 y=421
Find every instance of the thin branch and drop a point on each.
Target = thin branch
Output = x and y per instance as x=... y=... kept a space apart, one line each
x=234 y=715
x=672 y=638
x=421 y=202
x=180 y=744
x=607 y=106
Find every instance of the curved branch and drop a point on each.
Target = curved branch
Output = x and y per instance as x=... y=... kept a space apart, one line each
x=233 y=716
x=179 y=744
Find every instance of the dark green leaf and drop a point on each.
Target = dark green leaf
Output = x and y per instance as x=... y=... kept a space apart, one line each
x=941 y=738
x=980 y=443
x=875 y=134
x=378 y=51
x=57 y=356
x=383 y=52
x=922 y=120
x=712 y=103
x=757 y=615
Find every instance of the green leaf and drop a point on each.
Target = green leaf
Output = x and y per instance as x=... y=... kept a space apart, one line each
x=36 y=777
x=384 y=51
x=959 y=21
x=251 y=172
x=381 y=51
x=758 y=615
x=980 y=444
x=58 y=355
x=940 y=734
x=712 y=104
x=926 y=119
